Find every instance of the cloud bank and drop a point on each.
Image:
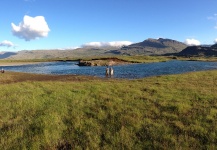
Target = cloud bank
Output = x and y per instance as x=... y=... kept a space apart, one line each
x=192 y=42
x=107 y=44
x=31 y=28
x=6 y=43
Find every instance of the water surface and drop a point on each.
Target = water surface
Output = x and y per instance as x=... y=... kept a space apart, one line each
x=129 y=71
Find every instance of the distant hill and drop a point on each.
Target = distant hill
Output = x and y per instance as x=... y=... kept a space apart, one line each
x=6 y=54
x=152 y=47
x=147 y=47
x=39 y=54
x=58 y=54
x=214 y=46
x=199 y=51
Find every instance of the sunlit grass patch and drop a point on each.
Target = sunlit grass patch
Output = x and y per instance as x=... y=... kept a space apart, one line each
x=164 y=112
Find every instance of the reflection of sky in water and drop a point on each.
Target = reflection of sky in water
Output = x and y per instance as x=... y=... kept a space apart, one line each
x=123 y=71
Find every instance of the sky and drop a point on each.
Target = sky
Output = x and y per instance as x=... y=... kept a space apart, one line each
x=69 y=24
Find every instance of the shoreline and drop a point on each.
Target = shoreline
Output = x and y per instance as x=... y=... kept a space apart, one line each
x=4 y=64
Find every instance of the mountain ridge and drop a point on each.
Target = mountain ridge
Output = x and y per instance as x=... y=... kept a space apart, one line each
x=199 y=51
x=152 y=47
x=147 y=47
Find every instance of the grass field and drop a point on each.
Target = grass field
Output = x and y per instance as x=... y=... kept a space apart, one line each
x=75 y=112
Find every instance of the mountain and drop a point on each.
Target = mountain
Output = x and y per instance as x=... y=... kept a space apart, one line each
x=147 y=47
x=199 y=51
x=152 y=47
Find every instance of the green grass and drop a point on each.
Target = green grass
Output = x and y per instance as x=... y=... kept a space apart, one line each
x=145 y=59
x=199 y=58
x=165 y=112
x=102 y=60
x=117 y=60
x=133 y=59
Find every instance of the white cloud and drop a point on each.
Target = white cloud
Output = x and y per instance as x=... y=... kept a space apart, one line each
x=7 y=43
x=31 y=28
x=213 y=18
x=29 y=0
x=69 y=48
x=215 y=41
x=105 y=44
x=192 y=42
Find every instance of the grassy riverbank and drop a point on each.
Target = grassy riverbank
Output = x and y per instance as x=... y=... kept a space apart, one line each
x=74 y=112
x=107 y=60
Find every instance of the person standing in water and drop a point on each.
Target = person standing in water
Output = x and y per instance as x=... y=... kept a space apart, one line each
x=111 y=71
x=107 y=71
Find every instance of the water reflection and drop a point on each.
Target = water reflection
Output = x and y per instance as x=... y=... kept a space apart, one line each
x=130 y=71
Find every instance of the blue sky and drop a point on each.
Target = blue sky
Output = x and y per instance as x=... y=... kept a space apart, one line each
x=63 y=24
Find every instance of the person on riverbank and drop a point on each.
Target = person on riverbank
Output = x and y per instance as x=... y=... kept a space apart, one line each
x=2 y=71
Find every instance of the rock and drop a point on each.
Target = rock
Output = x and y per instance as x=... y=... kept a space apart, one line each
x=84 y=63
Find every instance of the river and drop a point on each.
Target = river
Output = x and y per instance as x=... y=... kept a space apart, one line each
x=130 y=71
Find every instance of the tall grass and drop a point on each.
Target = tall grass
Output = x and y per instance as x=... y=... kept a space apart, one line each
x=164 y=112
